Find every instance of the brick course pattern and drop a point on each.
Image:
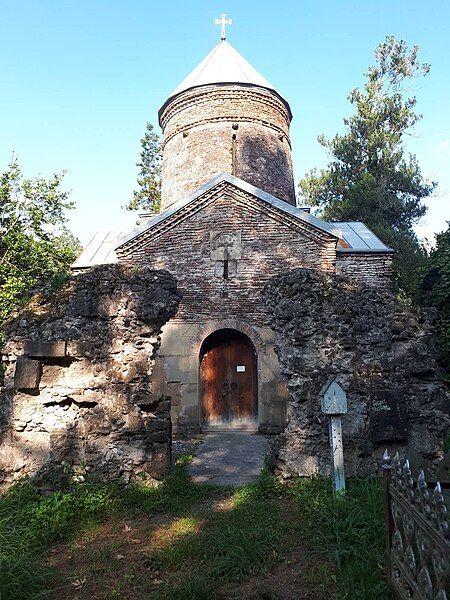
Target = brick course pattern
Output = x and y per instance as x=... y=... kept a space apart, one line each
x=271 y=242
x=234 y=129
x=368 y=268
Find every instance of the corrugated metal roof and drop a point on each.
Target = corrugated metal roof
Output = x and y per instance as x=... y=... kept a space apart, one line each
x=99 y=250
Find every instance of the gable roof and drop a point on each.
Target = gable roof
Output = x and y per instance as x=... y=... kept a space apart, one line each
x=101 y=248
x=244 y=186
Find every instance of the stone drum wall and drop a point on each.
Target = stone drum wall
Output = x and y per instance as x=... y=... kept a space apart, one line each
x=380 y=352
x=78 y=391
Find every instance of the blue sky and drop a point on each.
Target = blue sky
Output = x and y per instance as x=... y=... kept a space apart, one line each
x=79 y=80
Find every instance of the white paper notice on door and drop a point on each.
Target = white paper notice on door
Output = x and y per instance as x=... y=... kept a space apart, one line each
x=240 y=368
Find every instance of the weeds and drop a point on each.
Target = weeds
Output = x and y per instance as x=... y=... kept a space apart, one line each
x=209 y=537
x=349 y=530
x=31 y=523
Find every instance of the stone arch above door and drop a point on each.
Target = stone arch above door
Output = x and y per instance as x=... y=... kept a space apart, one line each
x=213 y=326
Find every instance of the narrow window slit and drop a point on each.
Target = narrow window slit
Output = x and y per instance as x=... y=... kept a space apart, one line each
x=225 y=269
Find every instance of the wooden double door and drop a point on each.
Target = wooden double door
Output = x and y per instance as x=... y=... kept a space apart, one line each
x=228 y=379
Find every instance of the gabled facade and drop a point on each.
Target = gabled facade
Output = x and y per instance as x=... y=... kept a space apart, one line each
x=223 y=244
x=229 y=224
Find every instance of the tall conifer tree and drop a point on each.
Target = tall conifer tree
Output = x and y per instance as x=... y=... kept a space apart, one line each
x=369 y=177
x=148 y=196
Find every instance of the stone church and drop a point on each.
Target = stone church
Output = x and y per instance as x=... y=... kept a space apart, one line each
x=229 y=309
x=229 y=222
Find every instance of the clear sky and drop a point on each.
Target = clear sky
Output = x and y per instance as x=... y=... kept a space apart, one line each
x=79 y=79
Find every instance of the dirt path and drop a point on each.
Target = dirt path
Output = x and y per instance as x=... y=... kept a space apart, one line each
x=223 y=547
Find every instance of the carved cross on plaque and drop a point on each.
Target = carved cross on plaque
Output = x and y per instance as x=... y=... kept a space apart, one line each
x=226 y=250
x=225 y=264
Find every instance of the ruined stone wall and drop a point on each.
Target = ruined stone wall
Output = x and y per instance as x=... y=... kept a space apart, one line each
x=237 y=129
x=370 y=268
x=78 y=391
x=269 y=243
x=380 y=352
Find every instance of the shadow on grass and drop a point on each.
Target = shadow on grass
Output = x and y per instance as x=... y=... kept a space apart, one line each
x=244 y=533
x=210 y=538
x=31 y=523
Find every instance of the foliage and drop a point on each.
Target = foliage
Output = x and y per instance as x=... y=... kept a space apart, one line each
x=435 y=292
x=369 y=177
x=349 y=529
x=35 y=246
x=148 y=196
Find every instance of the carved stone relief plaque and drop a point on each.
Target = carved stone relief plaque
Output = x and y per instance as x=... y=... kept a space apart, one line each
x=225 y=245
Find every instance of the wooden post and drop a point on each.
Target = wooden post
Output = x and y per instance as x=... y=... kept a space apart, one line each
x=337 y=452
x=334 y=404
x=386 y=469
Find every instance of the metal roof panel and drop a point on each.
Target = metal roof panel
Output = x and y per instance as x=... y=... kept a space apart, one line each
x=99 y=250
x=360 y=238
x=243 y=185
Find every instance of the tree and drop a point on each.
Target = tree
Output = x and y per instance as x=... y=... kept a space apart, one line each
x=435 y=292
x=35 y=246
x=369 y=178
x=148 y=196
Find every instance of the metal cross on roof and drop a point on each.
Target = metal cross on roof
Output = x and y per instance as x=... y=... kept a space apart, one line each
x=223 y=21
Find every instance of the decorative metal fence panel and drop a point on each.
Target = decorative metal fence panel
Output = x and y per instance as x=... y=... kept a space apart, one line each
x=417 y=534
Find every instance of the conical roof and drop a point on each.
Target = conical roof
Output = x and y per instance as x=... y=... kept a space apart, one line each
x=224 y=64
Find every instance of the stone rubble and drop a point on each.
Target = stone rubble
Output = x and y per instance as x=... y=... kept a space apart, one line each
x=381 y=353
x=77 y=395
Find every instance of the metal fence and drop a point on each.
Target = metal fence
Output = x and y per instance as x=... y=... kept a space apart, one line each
x=417 y=533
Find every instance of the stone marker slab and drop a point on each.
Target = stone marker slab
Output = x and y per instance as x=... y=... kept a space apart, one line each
x=45 y=349
x=27 y=374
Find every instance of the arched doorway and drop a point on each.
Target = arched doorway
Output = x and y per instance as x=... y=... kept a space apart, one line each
x=228 y=381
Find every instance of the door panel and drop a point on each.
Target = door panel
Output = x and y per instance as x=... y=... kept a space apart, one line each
x=242 y=380
x=228 y=379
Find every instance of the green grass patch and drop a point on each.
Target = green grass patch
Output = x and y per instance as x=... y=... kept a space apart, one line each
x=244 y=537
x=31 y=523
x=207 y=537
x=349 y=530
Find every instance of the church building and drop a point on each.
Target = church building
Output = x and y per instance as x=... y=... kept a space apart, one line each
x=229 y=222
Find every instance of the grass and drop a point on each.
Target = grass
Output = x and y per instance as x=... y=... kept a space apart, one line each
x=194 y=540
x=349 y=530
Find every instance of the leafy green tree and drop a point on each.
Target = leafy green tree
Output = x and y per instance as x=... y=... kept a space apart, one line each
x=369 y=178
x=35 y=246
x=148 y=196
x=435 y=292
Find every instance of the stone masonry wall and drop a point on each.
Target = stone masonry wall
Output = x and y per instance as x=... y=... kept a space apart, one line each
x=269 y=244
x=78 y=392
x=237 y=129
x=375 y=269
x=382 y=355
